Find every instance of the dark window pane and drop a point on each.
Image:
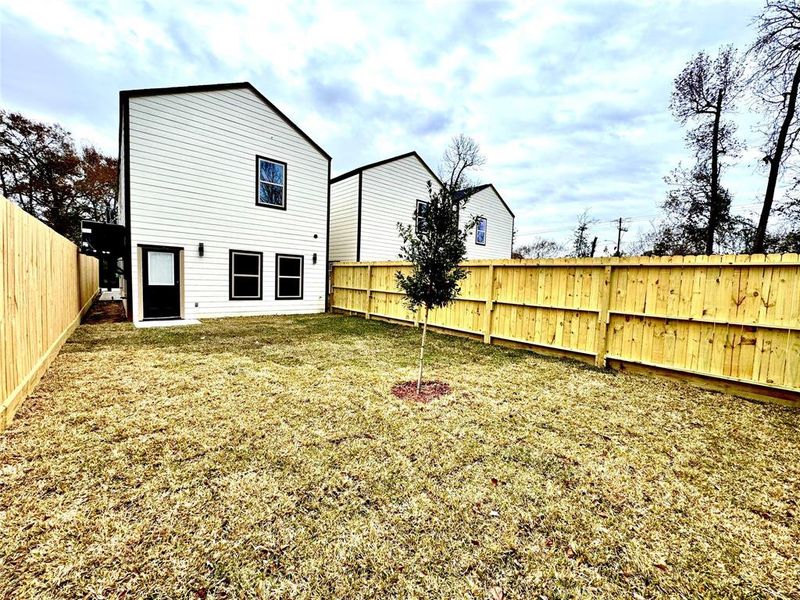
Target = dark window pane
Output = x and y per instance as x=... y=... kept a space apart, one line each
x=245 y=287
x=480 y=232
x=288 y=288
x=289 y=266
x=271 y=172
x=270 y=194
x=246 y=264
x=422 y=213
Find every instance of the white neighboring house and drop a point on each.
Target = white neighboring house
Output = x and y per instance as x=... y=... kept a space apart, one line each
x=225 y=204
x=493 y=235
x=368 y=202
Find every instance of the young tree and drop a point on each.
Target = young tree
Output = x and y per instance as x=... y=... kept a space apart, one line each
x=582 y=246
x=776 y=82
x=461 y=156
x=435 y=248
x=704 y=91
x=540 y=248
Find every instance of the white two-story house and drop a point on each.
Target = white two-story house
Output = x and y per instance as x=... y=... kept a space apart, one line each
x=367 y=203
x=225 y=203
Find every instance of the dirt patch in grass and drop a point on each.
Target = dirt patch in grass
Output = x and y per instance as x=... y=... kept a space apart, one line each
x=110 y=311
x=268 y=458
x=429 y=390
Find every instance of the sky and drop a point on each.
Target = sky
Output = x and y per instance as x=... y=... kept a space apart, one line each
x=567 y=99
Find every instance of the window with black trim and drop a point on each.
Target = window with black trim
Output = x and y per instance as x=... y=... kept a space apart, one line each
x=421 y=216
x=288 y=277
x=480 y=232
x=270 y=183
x=246 y=270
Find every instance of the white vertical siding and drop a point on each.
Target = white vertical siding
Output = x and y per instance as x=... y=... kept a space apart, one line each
x=389 y=195
x=344 y=219
x=192 y=180
x=499 y=225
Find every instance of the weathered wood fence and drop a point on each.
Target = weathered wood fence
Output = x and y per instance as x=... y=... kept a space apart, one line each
x=45 y=287
x=728 y=322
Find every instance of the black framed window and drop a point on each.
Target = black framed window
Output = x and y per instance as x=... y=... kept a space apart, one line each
x=288 y=277
x=421 y=216
x=480 y=232
x=270 y=183
x=246 y=274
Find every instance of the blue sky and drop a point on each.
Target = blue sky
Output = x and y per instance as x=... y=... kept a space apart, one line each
x=567 y=99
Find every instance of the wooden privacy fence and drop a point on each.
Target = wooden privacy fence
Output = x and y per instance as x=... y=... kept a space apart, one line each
x=45 y=288
x=728 y=322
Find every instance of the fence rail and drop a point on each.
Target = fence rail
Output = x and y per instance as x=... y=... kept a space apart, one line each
x=45 y=287
x=730 y=321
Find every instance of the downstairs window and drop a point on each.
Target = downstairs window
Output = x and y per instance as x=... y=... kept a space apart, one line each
x=288 y=277
x=245 y=275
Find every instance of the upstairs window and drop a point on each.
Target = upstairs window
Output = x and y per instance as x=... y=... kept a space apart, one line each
x=288 y=277
x=480 y=232
x=245 y=275
x=421 y=216
x=270 y=183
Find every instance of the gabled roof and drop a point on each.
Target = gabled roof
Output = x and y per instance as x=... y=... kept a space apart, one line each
x=385 y=161
x=479 y=188
x=216 y=87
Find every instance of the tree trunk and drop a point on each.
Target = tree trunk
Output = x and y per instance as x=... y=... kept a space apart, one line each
x=775 y=166
x=713 y=211
x=422 y=349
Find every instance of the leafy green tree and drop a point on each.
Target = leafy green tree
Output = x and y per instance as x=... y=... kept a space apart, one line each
x=435 y=246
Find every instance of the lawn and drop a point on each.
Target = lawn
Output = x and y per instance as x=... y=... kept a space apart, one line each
x=266 y=457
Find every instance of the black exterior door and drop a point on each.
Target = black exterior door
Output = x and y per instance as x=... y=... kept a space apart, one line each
x=161 y=286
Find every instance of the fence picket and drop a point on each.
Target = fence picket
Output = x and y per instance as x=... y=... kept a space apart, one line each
x=45 y=285
x=734 y=320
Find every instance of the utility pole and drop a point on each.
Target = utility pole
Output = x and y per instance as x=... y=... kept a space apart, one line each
x=620 y=230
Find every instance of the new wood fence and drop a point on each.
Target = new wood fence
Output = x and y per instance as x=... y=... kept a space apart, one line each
x=726 y=322
x=45 y=287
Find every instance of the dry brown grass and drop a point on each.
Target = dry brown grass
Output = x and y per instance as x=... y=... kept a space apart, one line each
x=267 y=457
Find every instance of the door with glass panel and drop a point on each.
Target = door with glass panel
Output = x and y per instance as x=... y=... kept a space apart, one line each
x=161 y=286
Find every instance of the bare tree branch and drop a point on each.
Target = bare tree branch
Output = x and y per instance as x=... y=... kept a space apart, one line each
x=461 y=156
x=776 y=81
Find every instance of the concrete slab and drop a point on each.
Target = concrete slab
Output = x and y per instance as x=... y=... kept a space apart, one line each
x=109 y=295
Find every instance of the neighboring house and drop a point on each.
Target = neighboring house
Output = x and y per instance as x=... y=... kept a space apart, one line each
x=225 y=203
x=367 y=203
x=492 y=236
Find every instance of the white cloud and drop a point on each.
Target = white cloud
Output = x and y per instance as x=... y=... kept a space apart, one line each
x=568 y=98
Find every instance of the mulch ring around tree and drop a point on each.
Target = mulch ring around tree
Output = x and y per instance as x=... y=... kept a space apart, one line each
x=430 y=390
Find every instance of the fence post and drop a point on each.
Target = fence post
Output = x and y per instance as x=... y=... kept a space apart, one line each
x=369 y=290
x=487 y=316
x=601 y=341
